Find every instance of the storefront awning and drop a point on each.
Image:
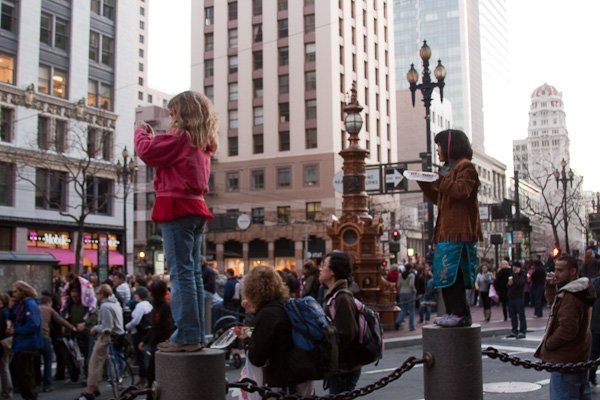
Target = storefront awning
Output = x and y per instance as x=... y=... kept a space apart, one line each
x=114 y=257
x=64 y=256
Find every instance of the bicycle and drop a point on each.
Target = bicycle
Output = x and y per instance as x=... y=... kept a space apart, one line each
x=119 y=372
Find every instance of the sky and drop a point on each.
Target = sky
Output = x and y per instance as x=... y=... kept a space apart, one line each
x=550 y=41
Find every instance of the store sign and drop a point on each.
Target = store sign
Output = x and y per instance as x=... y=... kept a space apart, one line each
x=53 y=240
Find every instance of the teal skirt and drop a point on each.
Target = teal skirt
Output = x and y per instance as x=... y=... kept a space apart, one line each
x=448 y=258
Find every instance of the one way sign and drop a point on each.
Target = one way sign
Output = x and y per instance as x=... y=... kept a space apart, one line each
x=393 y=177
x=394 y=180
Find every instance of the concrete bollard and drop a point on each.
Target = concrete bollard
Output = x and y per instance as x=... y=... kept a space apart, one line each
x=455 y=373
x=196 y=375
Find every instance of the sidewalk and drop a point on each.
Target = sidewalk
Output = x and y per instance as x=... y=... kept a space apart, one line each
x=496 y=327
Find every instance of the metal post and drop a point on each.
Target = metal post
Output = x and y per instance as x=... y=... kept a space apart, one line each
x=455 y=373
x=496 y=251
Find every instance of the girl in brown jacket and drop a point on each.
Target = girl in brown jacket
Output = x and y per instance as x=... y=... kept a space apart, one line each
x=458 y=228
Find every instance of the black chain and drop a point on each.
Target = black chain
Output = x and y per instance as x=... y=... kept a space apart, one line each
x=250 y=386
x=133 y=391
x=493 y=353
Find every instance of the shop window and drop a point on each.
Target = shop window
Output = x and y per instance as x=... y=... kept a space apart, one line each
x=50 y=189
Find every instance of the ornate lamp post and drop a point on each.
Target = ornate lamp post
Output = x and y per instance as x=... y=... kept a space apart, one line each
x=126 y=175
x=564 y=178
x=426 y=88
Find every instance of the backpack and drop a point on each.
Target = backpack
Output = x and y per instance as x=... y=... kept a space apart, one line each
x=370 y=332
x=313 y=332
x=145 y=324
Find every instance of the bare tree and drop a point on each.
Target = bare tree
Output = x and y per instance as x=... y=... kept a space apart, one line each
x=551 y=209
x=69 y=164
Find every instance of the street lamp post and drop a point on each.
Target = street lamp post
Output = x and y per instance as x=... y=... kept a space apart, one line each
x=564 y=178
x=125 y=174
x=426 y=88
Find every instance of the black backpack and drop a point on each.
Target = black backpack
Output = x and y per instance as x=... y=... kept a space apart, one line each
x=145 y=324
x=370 y=332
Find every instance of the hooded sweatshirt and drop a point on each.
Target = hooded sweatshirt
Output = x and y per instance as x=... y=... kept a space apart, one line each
x=568 y=338
x=110 y=317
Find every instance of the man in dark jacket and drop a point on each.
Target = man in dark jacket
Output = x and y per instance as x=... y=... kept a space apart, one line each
x=567 y=338
x=501 y=286
x=516 y=302
x=538 y=279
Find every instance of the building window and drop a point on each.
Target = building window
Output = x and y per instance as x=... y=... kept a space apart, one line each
x=233 y=91
x=313 y=211
x=309 y=23
x=233 y=38
x=140 y=81
x=233 y=10
x=258 y=143
x=257 y=87
x=283 y=214
x=258 y=116
x=8 y=20
x=284 y=112
x=141 y=67
x=284 y=177
x=209 y=41
x=284 y=84
x=310 y=54
x=208 y=68
x=232 y=119
x=257 y=179
x=7 y=68
x=310 y=176
x=7 y=120
x=105 y=8
x=257 y=57
x=141 y=53
x=140 y=96
x=310 y=81
x=258 y=215
x=232 y=182
x=102 y=49
x=282 y=5
x=54 y=31
x=209 y=16
x=209 y=92
x=284 y=58
x=257 y=35
x=142 y=11
x=99 y=143
x=50 y=189
x=311 y=138
x=233 y=64
x=99 y=195
x=52 y=81
x=311 y=109
x=232 y=146
x=52 y=134
x=100 y=95
x=150 y=98
x=282 y=28
x=284 y=141
x=256 y=7
x=7 y=184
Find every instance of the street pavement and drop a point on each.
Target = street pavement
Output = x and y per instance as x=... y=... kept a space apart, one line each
x=402 y=343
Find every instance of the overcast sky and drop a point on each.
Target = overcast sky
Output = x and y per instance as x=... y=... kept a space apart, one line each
x=551 y=41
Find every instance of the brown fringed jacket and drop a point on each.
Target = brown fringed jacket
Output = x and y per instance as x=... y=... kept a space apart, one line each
x=458 y=208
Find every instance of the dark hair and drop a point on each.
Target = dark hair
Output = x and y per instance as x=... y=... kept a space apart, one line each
x=120 y=275
x=158 y=290
x=517 y=264
x=340 y=264
x=455 y=144
x=570 y=260
x=230 y=271
x=406 y=271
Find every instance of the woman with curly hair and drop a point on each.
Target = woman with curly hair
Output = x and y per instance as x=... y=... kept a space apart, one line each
x=271 y=345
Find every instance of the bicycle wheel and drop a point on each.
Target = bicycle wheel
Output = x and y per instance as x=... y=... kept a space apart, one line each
x=113 y=376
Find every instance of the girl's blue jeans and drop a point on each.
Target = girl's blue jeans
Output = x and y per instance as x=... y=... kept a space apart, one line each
x=181 y=240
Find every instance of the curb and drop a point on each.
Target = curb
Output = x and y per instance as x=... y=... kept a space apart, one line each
x=416 y=340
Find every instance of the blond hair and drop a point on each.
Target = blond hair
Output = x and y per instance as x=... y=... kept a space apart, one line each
x=262 y=285
x=105 y=290
x=195 y=115
x=25 y=288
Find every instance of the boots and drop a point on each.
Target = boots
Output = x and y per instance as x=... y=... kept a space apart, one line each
x=487 y=314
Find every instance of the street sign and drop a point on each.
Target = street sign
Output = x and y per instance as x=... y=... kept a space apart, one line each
x=379 y=179
x=372 y=181
x=393 y=177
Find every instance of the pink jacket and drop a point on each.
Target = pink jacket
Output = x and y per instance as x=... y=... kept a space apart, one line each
x=182 y=171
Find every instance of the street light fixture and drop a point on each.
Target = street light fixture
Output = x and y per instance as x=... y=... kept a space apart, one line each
x=564 y=178
x=126 y=175
x=426 y=88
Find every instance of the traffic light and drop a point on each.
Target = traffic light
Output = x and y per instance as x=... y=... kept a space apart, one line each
x=395 y=235
x=384 y=264
x=555 y=251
